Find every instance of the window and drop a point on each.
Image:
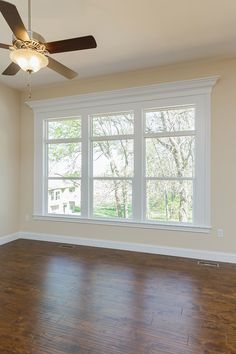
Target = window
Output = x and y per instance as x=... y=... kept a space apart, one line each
x=58 y=195
x=138 y=156
x=170 y=162
x=63 y=164
x=113 y=160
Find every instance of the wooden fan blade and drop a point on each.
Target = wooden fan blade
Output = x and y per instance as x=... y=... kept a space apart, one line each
x=4 y=46
x=12 y=17
x=12 y=69
x=61 y=69
x=69 y=45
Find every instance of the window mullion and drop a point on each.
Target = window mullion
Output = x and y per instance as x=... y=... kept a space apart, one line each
x=64 y=178
x=138 y=201
x=113 y=178
x=39 y=166
x=90 y=166
x=63 y=141
x=45 y=194
x=170 y=134
x=112 y=137
x=85 y=167
x=166 y=178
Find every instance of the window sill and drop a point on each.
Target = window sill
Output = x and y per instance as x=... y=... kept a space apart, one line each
x=126 y=223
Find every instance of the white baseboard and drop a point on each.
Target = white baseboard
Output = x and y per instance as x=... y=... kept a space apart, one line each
x=135 y=247
x=8 y=238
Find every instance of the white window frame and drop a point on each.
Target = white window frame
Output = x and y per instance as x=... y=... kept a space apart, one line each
x=196 y=92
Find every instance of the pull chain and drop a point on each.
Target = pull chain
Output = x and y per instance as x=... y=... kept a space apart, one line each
x=29 y=85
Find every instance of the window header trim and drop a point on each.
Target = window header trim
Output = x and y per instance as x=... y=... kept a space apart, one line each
x=127 y=95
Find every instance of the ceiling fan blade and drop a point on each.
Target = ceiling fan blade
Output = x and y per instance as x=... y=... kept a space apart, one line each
x=69 y=45
x=12 y=17
x=12 y=69
x=4 y=46
x=61 y=69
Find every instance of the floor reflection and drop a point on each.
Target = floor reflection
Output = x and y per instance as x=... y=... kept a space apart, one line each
x=91 y=301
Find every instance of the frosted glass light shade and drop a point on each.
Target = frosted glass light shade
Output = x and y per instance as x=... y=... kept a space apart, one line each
x=28 y=59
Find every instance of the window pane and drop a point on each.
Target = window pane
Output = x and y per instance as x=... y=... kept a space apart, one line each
x=112 y=199
x=170 y=120
x=113 y=124
x=64 y=160
x=170 y=157
x=170 y=200
x=64 y=197
x=64 y=129
x=113 y=158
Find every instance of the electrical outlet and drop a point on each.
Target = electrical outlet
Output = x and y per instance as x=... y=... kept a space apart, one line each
x=220 y=233
x=26 y=217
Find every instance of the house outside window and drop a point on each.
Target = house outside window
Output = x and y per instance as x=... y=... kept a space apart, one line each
x=57 y=195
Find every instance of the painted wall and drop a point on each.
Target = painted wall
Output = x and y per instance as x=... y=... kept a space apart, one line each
x=223 y=162
x=9 y=160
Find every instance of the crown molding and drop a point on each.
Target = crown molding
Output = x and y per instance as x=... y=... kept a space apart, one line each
x=171 y=89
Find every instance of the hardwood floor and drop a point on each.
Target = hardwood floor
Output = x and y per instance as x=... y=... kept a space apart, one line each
x=84 y=300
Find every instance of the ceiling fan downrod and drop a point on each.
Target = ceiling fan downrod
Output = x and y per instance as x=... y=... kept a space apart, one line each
x=29 y=17
x=29 y=85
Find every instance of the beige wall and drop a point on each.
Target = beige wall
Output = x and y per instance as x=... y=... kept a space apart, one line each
x=9 y=160
x=223 y=162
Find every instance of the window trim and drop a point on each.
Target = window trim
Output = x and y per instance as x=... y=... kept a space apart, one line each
x=196 y=91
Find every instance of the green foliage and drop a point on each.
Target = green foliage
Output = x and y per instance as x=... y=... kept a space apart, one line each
x=64 y=129
x=108 y=210
x=77 y=209
x=173 y=203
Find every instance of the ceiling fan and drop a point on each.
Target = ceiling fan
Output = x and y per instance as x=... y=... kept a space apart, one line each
x=30 y=52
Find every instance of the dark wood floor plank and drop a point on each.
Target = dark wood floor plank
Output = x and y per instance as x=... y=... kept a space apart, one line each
x=83 y=300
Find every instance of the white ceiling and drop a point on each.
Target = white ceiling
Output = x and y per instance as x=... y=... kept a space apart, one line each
x=130 y=34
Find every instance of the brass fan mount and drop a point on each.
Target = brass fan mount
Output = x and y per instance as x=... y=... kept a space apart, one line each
x=35 y=43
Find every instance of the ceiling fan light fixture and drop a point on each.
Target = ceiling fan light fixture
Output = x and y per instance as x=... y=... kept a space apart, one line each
x=29 y=50
x=29 y=60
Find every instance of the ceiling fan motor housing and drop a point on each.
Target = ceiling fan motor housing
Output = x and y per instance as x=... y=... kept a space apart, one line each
x=35 y=43
x=36 y=36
